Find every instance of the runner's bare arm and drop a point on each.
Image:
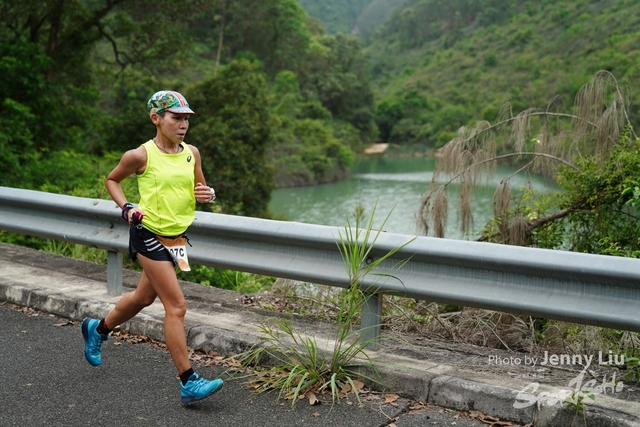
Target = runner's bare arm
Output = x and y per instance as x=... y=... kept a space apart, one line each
x=132 y=161
x=202 y=191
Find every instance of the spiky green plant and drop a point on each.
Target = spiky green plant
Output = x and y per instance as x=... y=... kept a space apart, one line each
x=355 y=245
x=298 y=366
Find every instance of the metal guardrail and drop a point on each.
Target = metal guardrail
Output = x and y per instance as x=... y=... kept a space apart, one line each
x=583 y=288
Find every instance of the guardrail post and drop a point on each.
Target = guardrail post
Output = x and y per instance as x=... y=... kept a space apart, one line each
x=371 y=320
x=114 y=273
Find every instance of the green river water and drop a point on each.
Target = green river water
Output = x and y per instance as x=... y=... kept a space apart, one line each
x=396 y=184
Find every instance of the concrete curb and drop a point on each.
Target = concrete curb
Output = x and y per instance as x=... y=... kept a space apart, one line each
x=440 y=388
x=459 y=393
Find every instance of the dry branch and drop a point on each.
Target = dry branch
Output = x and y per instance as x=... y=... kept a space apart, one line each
x=600 y=114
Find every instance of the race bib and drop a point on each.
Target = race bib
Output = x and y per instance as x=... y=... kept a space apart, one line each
x=177 y=247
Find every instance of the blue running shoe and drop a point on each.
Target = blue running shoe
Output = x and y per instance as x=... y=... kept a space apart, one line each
x=92 y=341
x=198 y=388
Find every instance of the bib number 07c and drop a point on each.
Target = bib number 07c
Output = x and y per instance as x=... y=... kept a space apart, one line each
x=178 y=249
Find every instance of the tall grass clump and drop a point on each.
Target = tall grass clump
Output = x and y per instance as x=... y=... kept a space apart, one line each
x=296 y=365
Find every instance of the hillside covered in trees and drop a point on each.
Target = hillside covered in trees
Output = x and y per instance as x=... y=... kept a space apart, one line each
x=436 y=66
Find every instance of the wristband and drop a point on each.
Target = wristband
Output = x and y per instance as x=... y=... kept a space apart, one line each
x=125 y=211
x=213 y=195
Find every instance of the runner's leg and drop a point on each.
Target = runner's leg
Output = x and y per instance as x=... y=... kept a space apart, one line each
x=131 y=303
x=162 y=278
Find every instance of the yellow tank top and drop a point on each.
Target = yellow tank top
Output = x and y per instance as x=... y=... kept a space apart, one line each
x=166 y=190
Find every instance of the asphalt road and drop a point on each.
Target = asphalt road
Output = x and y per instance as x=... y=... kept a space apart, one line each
x=47 y=382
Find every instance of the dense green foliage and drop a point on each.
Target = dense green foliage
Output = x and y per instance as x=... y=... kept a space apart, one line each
x=77 y=76
x=602 y=201
x=323 y=114
x=466 y=59
x=234 y=136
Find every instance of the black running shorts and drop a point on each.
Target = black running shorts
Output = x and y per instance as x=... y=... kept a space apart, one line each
x=144 y=242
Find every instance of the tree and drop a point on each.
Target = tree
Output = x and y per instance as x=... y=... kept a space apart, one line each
x=22 y=91
x=275 y=31
x=65 y=36
x=336 y=72
x=222 y=18
x=141 y=31
x=232 y=130
x=573 y=146
x=407 y=119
